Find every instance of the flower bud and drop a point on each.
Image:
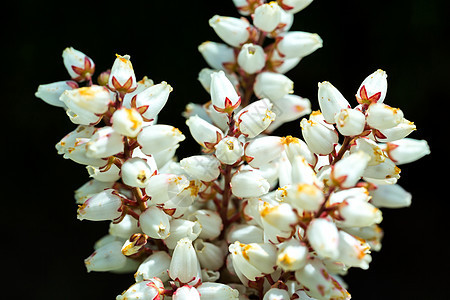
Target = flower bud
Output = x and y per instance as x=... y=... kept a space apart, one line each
x=373 y=88
x=251 y=58
x=223 y=94
x=103 y=206
x=180 y=228
x=272 y=85
x=106 y=258
x=163 y=188
x=184 y=266
x=395 y=133
x=319 y=138
x=347 y=172
x=350 y=122
x=51 y=92
x=229 y=150
x=406 y=150
x=357 y=212
x=245 y=234
x=217 y=291
x=261 y=151
x=276 y=294
x=127 y=122
x=287 y=109
x=203 y=132
x=302 y=196
x=125 y=228
x=281 y=216
x=154 y=222
x=78 y=64
x=210 y=222
x=267 y=16
x=331 y=101
x=369 y=147
x=291 y=255
x=387 y=170
x=141 y=290
x=301 y=171
x=391 y=196
x=90 y=188
x=201 y=167
x=151 y=100
x=353 y=252
x=249 y=183
x=217 y=55
x=186 y=292
x=159 y=137
x=255 y=118
x=136 y=172
x=294 y=6
x=295 y=146
x=233 y=31
x=104 y=143
x=298 y=43
x=253 y=260
x=210 y=256
x=122 y=78
x=324 y=237
x=382 y=116
x=156 y=265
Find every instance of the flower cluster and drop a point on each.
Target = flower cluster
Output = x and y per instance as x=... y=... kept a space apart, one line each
x=253 y=214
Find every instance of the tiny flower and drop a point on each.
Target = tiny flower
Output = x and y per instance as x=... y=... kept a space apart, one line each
x=180 y=228
x=151 y=100
x=251 y=58
x=127 y=122
x=51 y=92
x=156 y=265
x=294 y=6
x=253 y=260
x=350 y=122
x=104 y=143
x=206 y=134
x=302 y=196
x=136 y=172
x=233 y=31
x=122 y=78
x=278 y=221
x=353 y=252
x=229 y=150
x=217 y=291
x=159 y=137
x=369 y=147
x=289 y=108
x=331 y=101
x=103 y=206
x=217 y=55
x=108 y=257
x=165 y=188
x=395 y=133
x=301 y=171
x=356 y=212
x=292 y=255
x=348 y=171
x=245 y=233
x=249 y=183
x=223 y=94
x=134 y=244
x=406 y=150
x=295 y=146
x=381 y=116
x=297 y=43
x=320 y=138
x=324 y=237
x=210 y=256
x=107 y=173
x=276 y=294
x=186 y=292
x=255 y=118
x=261 y=151
x=127 y=226
x=267 y=16
x=141 y=290
x=201 y=167
x=78 y=64
x=385 y=170
x=184 y=266
x=210 y=222
x=373 y=88
x=272 y=85
x=392 y=196
x=154 y=222
x=89 y=189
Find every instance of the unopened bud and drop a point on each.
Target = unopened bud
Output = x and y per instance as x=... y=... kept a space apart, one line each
x=134 y=244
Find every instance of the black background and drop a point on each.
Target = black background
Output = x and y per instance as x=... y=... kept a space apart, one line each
x=44 y=244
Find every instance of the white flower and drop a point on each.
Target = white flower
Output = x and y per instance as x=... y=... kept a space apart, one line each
x=294 y=6
x=369 y=147
x=125 y=228
x=204 y=132
x=331 y=101
x=151 y=100
x=353 y=252
x=406 y=150
x=267 y=16
x=144 y=290
x=381 y=116
x=324 y=237
x=155 y=223
x=249 y=183
x=282 y=217
x=301 y=171
x=78 y=64
x=251 y=58
x=395 y=133
x=104 y=143
x=180 y=228
x=272 y=85
x=51 y=92
x=392 y=196
x=184 y=266
x=294 y=44
x=288 y=108
x=210 y=256
x=136 y=172
x=350 y=122
x=186 y=292
x=223 y=93
x=156 y=265
x=201 y=167
x=302 y=196
x=108 y=173
x=255 y=118
x=245 y=233
x=217 y=291
x=373 y=89
x=229 y=150
x=122 y=78
x=348 y=171
x=261 y=151
x=159 y=137
x=127 y=122
x=105 y=205
x=295 y=146
x=233 y=31
x=210 y=222
x=357 y=212
x=165 y=188
x=321 y=139
x=217 y=55
x=90 y=188
x=292 y=255
x=384 y=170
x=276 y=294
x=106 y=258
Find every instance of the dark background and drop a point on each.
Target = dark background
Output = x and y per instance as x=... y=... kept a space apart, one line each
x=44 y=244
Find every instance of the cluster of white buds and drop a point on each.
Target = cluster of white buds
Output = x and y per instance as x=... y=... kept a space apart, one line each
x=253 y=215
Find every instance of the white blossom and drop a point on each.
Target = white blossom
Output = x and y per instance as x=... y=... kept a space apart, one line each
x=217 y=55
x=184 y=266
x=51 y=92
x=156 y=138
x=298 y=43
x=251 y=58
x=102 y=206
x=272 y=85
x=155 y=223
x=233 y=31
x=79 y=66
x=122 y=77
x=267 y=16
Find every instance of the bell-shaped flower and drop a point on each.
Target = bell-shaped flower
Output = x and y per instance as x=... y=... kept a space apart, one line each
x=369 y=147
x=108 y=257
x=255 y=118
x=301 y=172
x=406 y=150
x=86 y=105
x=210 y=256
x=176 y=189
x=184 y=266
x=278 y=221
x=122 y=78
x=318 y=282
x=136 y=172
x=180 y=228
x=51 y=92
x=402 y=130
x=127 y=226
x=201 y=167
x=217 y=55
x=224 y=97
x=323 y=236
x=294 y=146
x=391 y=195
x=356 y=212
x=272 y=85
x=104 y=143
x=108 y=173
x=210 y=222
x=297 y=43
x=251 y=58
x=90 y=188
x=353 y=252
x=186 y=292
x=140 y=291
x=350 y=122
x=159 y=137
x=203 y=132
x=381 y=116
x=103 y=206
x=261 y=151
x=156 y=265
x=387 y=170
x=229 y=150
x=349 y=170
x=302 y=197
x=373 y=89
x=287 y=109
x=292 y=255
x=267 y=16
x=331 y=101
x=319 y=137
x=155 y=223
x=151 y=100
x=218 y=291
x=233 y=31
x=127 y=122
x=276 y=293
x=253 y=260
x=294 y=6
x=249 y=183
x=78 y=64
x=245 y=233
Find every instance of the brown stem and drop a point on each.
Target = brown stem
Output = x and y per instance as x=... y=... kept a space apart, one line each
x=226 y=196
x=344 y=148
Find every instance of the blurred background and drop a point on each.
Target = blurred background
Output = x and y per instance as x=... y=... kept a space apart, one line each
x=45 y=243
